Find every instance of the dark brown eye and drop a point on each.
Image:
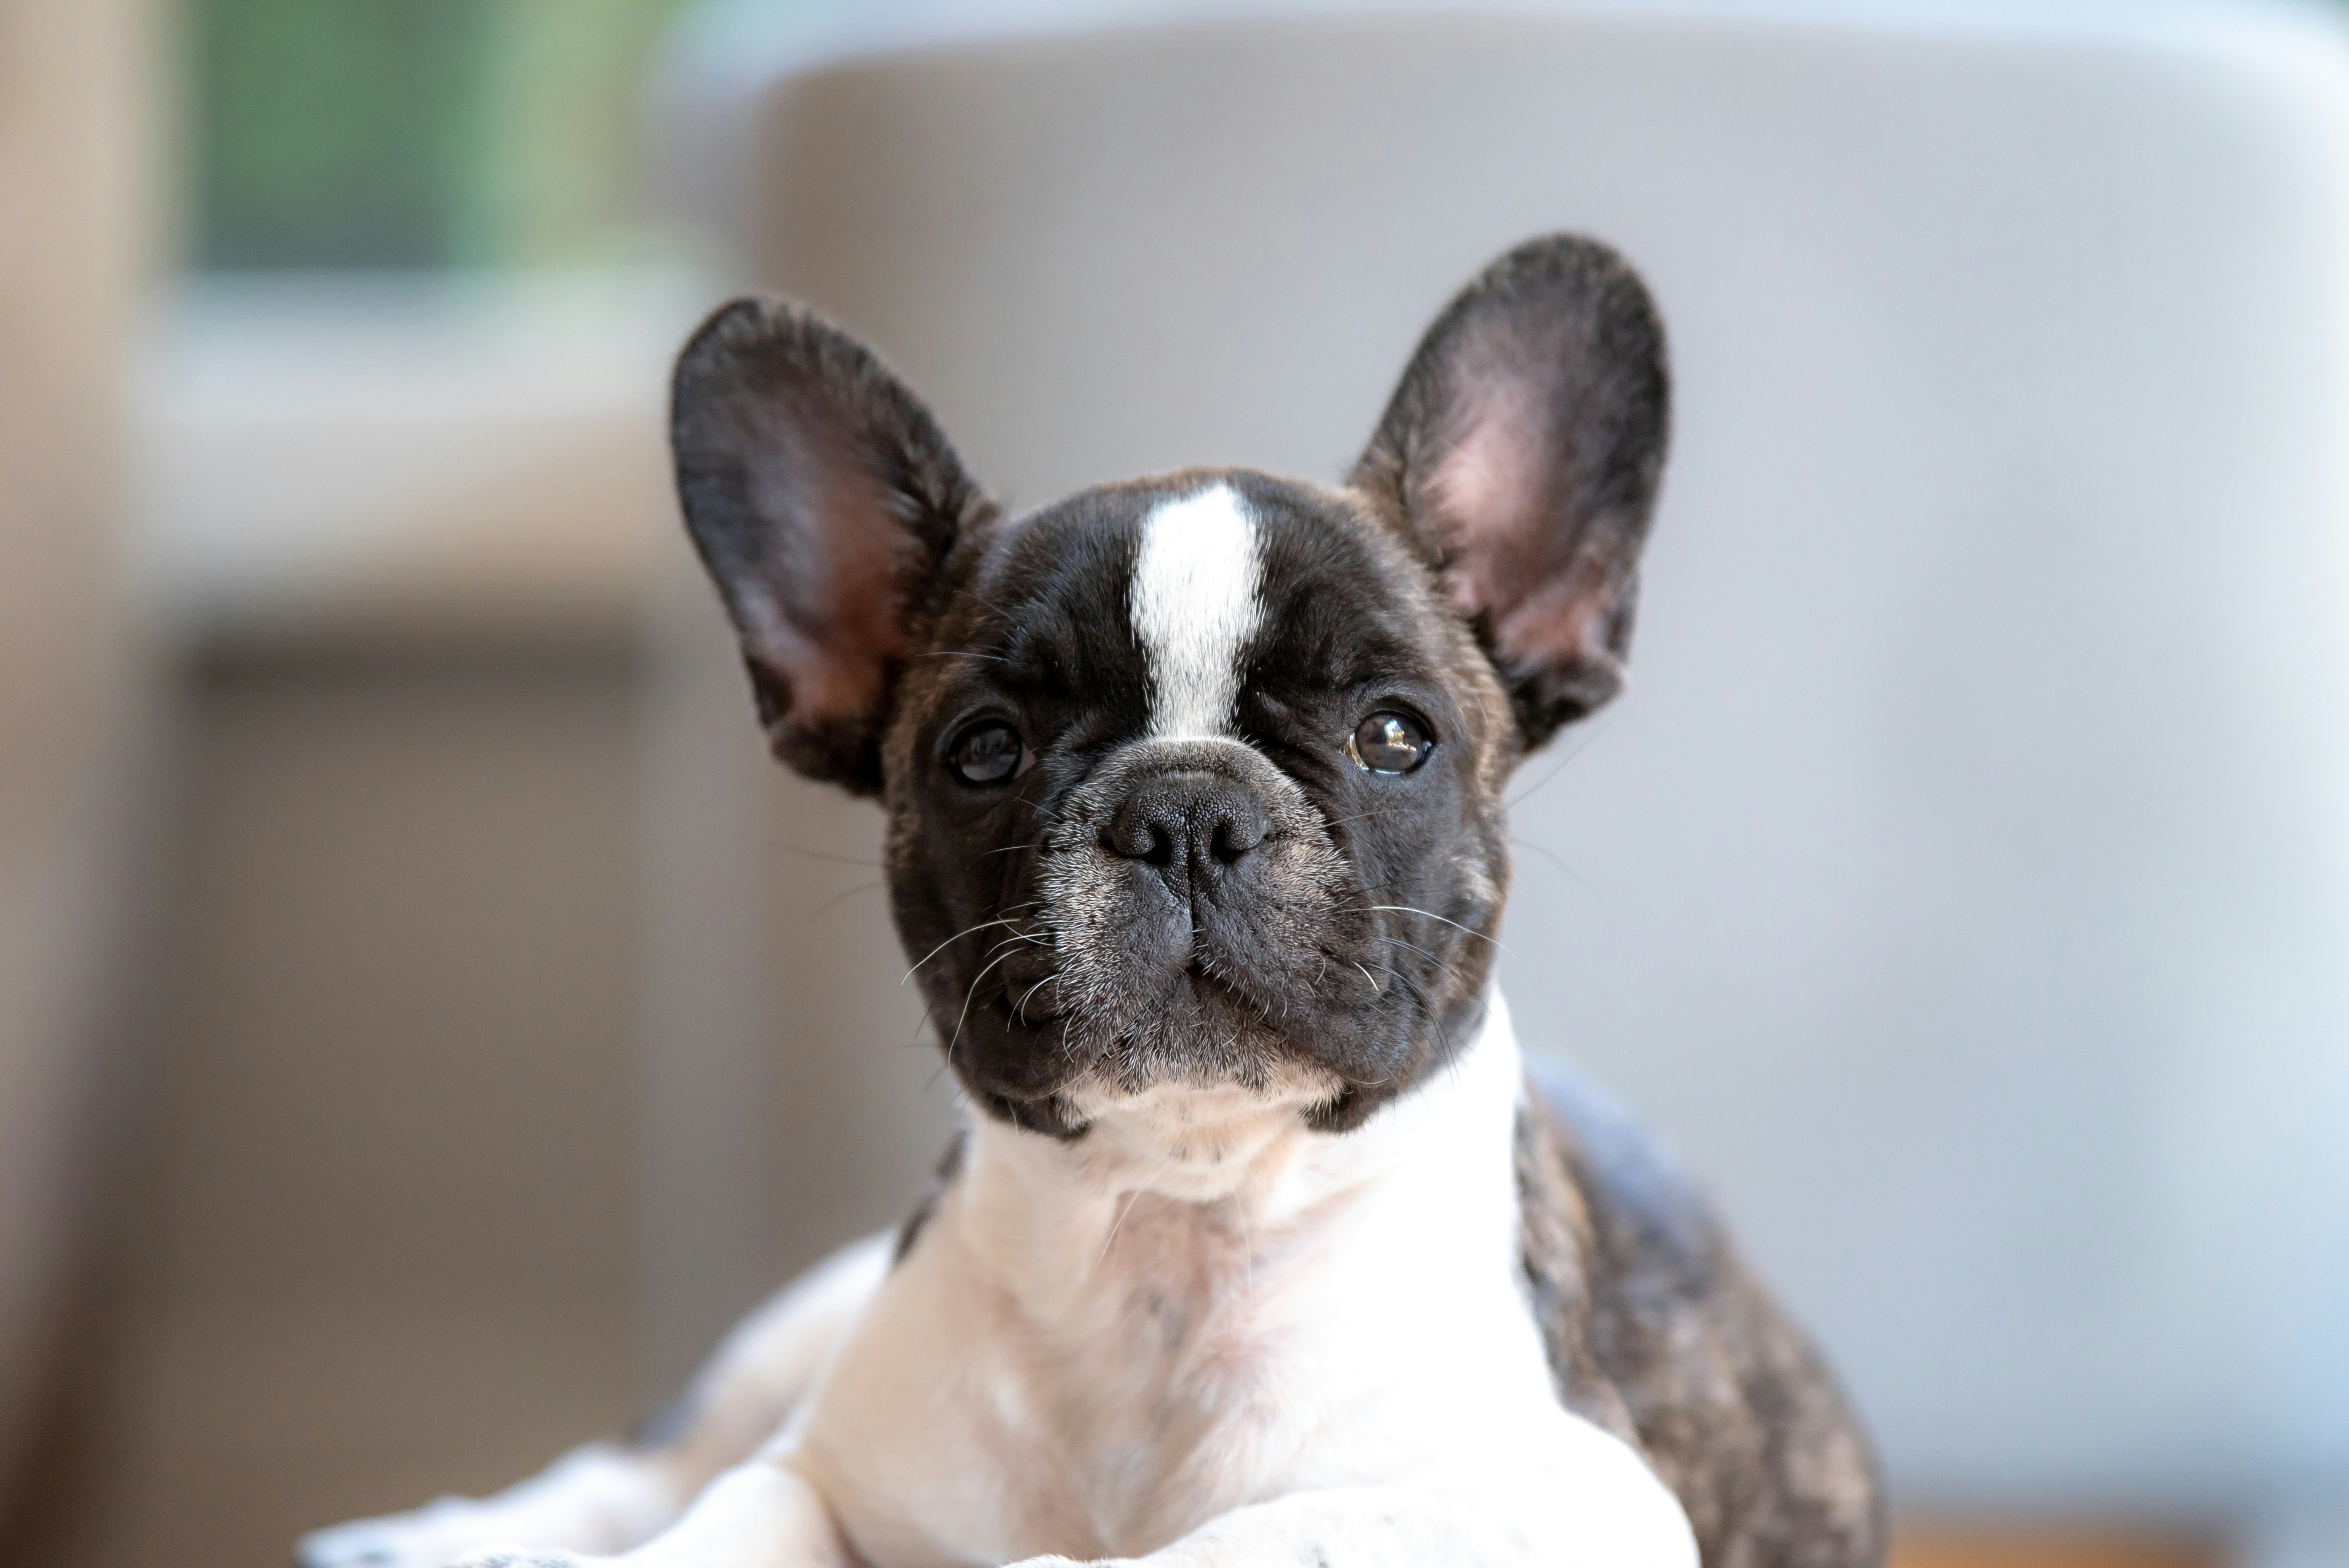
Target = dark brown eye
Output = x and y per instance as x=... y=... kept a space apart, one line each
x=986 y=753
x=1389 y=743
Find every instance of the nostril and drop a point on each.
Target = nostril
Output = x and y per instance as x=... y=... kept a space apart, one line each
x=1136 y=836
x=1191 y=819
x=1236 y=836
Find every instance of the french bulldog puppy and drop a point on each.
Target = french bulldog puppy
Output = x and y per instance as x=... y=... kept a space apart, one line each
x=1259 y=1246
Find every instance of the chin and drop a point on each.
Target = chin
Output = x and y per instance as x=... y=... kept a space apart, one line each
x=1198 y=1141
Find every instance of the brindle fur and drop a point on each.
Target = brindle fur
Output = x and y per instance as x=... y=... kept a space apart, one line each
x=1658 y=1333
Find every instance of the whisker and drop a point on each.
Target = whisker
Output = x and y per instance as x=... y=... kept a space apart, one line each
x=1407 y=909
x=976 y=596
x=1543 y=850
x=1019 y=937
x=1248 y=1250
x=836 y=860
x=1442 y=964
x=1427 y=1011
x=1587 y=736
x=1021 y=1008
x=1584 y=882
x=1118 y=1223
x=827 y=906
x=949 y=941
x=967 y=997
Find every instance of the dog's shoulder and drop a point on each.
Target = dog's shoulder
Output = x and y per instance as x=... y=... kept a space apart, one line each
x=1658 y=1331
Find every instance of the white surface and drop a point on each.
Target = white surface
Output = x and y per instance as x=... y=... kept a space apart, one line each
x=1964 y=881
x=2313 y=1536
x=422 y=449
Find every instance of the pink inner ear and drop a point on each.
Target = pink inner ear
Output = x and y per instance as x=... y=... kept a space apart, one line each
x=1488 y=491
x=826 y=687
x=1509 y=547
x=858 y=632
x=1562 y=623
x=836 y=628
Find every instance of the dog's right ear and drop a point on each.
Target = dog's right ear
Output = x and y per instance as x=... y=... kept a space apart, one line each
x=1523 y=449
x=823 y=500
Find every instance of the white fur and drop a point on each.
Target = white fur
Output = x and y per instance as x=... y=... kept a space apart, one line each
x=1196 y=604
x=1202 y=1335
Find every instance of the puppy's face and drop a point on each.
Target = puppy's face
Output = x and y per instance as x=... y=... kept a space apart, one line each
x=1194 y=780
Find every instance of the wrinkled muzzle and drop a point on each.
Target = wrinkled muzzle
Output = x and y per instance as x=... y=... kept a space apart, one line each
x=1199 y=913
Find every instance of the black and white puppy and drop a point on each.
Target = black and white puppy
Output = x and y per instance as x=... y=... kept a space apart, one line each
x=1259 y=1247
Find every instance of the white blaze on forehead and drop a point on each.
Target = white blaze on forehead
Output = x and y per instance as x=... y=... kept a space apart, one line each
x=1195 y=606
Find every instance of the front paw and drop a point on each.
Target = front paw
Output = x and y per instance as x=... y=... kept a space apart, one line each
x=523 y=1557
x=444 y=1534
x=427 y=1537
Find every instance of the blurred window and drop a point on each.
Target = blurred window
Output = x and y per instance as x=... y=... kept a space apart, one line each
x=418 y=133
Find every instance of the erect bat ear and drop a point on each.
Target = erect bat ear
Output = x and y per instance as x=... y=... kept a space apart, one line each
x=1522 y=447
x=823 y=500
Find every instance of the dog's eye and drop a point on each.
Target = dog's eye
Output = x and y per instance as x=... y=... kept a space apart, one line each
x=987 y=753
x=1389 y=743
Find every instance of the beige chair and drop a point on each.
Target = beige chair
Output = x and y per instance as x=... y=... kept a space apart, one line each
x=1963 y=882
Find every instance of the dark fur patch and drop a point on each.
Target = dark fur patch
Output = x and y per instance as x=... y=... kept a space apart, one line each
x=926 y=1207
x=1658 y=1333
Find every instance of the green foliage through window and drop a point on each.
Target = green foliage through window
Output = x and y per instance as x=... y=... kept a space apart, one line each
x=418 y=133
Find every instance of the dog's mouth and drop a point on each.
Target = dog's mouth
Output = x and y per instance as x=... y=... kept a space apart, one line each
x=1070 y=1017
x=1030 y=1029
x=1034 y=1002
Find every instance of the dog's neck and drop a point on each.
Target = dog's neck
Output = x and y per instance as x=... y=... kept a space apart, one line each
x=1178 y=1168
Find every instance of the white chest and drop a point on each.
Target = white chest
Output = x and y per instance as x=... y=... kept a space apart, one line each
x=1076 y=1360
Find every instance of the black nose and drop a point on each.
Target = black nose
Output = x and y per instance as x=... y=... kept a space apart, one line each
x=1194 y=824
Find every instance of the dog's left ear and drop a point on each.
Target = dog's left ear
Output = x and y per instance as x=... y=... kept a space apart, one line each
x=1522 y=447
x=823 y=500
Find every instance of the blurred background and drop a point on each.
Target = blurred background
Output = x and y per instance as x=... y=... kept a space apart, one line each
x=426 y=1019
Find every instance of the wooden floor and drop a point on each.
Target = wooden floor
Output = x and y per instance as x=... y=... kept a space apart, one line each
x=1973 y=1547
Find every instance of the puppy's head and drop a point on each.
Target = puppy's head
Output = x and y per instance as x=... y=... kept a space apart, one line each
x=1197 y=779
